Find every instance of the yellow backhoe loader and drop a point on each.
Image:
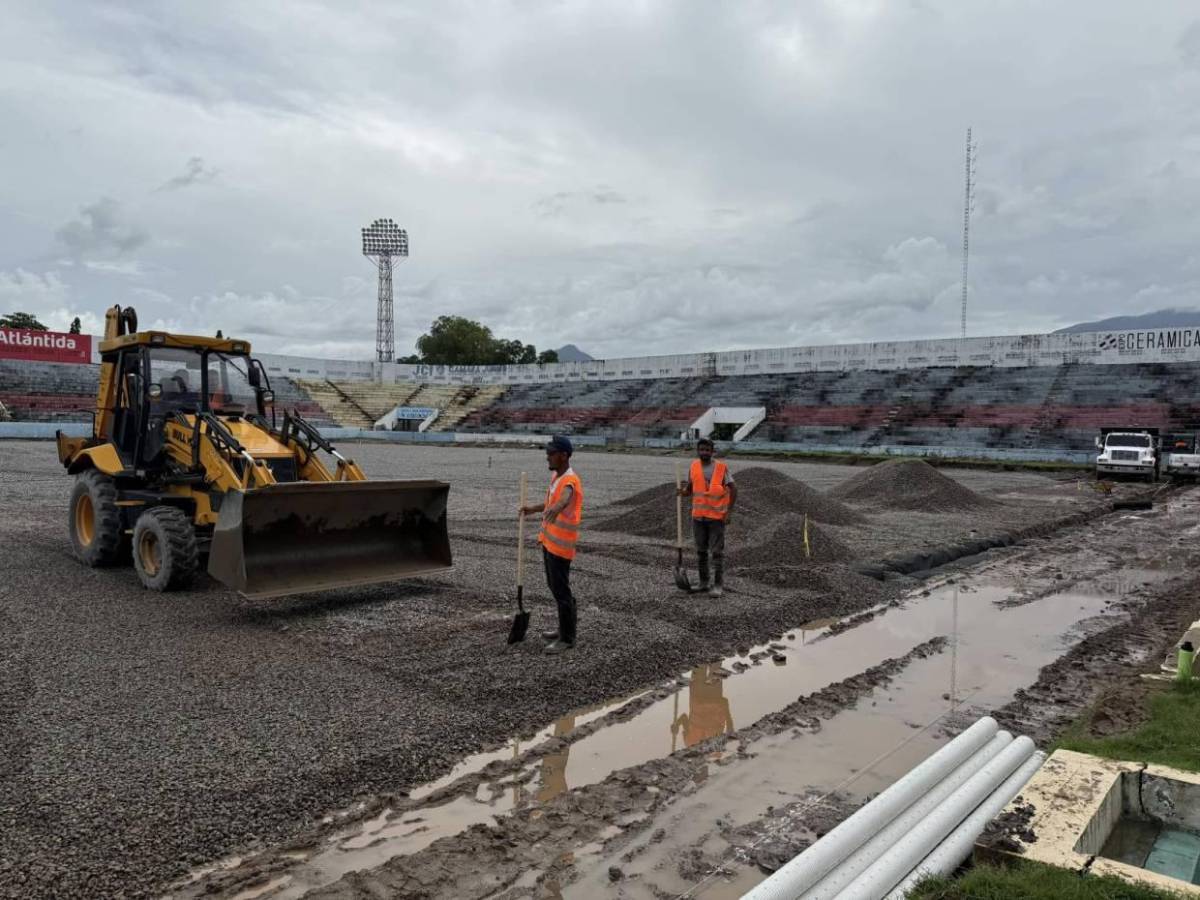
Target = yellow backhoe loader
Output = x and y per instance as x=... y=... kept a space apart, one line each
x=186 y=461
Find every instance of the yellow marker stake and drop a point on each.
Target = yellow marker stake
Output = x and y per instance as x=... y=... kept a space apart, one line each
x=807 y=549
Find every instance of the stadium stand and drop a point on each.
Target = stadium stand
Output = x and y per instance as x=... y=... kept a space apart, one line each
x=1044 y=407
x=66 y=392
x=48 y=392
x=360 y=404
x=1052 y=406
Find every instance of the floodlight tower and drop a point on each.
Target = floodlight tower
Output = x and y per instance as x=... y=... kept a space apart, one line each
x=382 y=240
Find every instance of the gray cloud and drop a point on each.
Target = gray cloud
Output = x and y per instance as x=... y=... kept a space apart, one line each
x=1189 y=46
x=634 y=179
x=561 y=202
x=195 y=172
x=101 y=230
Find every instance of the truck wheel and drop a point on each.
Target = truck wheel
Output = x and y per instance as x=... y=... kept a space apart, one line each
x=95 y=520
x=164 y=549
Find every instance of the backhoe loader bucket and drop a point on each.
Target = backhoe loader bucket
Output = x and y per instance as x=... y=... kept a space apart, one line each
x=310 y=536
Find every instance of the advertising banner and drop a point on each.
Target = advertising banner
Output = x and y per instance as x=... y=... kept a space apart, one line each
x=45 y=346
x=420 y=413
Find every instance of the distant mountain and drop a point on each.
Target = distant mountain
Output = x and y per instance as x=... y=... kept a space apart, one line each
x=1163 y=318
x=571 y=353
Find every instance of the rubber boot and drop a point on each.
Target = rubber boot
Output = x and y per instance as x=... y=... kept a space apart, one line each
x=702 y=565
x=718 y=577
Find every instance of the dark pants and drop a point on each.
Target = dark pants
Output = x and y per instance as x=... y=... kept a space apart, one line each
x=558 y=577
x=710 y=539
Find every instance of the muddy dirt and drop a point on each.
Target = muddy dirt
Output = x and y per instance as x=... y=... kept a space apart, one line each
x=1009 y=832
x=1102 y=671
x=535 y=839
x=145 y=735
x=773 y=781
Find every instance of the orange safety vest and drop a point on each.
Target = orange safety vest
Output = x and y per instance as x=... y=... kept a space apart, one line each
x=559 y=536
x=709 y=501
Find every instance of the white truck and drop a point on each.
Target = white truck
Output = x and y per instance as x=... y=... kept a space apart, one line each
x=1128 y=451
x=1180 y=458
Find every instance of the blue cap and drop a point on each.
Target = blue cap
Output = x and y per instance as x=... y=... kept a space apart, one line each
x=559 y=444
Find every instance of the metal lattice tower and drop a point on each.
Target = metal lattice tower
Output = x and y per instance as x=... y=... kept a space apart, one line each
x=968 y=208
x=382 y=241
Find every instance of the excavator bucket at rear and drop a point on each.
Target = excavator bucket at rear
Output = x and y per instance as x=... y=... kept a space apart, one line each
x=298 y=537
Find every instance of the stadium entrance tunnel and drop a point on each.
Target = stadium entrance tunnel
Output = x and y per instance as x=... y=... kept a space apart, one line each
x=726 y=423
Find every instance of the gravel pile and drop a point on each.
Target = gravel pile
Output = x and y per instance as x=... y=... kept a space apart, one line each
x=909 y=484
x=661 y=495
x=781 y=542
x=763 y=495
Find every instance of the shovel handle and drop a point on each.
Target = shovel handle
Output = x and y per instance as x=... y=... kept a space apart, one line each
x=678 y=512
x=521 y=540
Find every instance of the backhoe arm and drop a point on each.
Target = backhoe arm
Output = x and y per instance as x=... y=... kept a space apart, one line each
x=203 y=444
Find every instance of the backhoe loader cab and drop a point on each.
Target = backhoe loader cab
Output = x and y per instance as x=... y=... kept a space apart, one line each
x=187 y=462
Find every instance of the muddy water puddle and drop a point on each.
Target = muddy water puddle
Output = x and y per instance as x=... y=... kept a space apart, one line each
x=996 y=647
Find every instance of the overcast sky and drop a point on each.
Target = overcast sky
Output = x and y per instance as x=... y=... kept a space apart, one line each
x=633 y=177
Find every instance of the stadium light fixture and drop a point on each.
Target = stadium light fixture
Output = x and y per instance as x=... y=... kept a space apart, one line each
x=383 y=240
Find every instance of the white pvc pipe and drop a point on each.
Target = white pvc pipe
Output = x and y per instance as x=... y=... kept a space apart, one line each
x=862 y=858
x=950 y=853
x=903 y=856
x=806 y=869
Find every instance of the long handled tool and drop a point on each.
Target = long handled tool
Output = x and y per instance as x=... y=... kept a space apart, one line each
x=681 y=575
x=520 y=623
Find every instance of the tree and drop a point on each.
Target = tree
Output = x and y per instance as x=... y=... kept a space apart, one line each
x=548 y=356
x=22 y=320
x=76 y=326
x=512 y=353
x=458 y=341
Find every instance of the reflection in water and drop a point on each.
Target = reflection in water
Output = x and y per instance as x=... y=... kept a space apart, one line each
x=554 y=765
x=954 y=651
x=708 y=715
x=815 y=626
x=708 y=709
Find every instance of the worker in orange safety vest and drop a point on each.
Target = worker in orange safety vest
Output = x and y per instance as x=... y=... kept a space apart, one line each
x=562 y=513
x=713 y=495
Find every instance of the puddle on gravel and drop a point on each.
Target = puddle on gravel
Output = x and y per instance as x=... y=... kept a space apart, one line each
x=998 y=649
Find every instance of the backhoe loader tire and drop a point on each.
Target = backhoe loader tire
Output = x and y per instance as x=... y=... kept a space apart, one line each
x=95 y=520
x=164 y=549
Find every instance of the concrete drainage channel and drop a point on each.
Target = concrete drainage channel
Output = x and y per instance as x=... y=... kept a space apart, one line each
x=969 y=642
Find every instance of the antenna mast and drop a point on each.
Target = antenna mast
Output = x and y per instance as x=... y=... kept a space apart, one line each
x=968 y=208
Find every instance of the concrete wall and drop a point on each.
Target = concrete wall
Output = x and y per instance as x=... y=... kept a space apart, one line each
x=1155 y=345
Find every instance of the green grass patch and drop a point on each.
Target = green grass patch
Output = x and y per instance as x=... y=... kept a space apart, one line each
x=1034 y=881
x=1168 y=738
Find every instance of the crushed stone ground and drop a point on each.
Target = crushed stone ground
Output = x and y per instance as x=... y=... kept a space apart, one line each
x=145 y=734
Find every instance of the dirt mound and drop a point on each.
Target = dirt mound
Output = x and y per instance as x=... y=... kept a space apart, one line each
x=908 y=484
x=763 y=495
x=781 y=543
x=659 y=495
x=775 y=493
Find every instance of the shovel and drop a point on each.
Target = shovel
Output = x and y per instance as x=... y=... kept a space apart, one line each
x=681 y=576
x=520 y=623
